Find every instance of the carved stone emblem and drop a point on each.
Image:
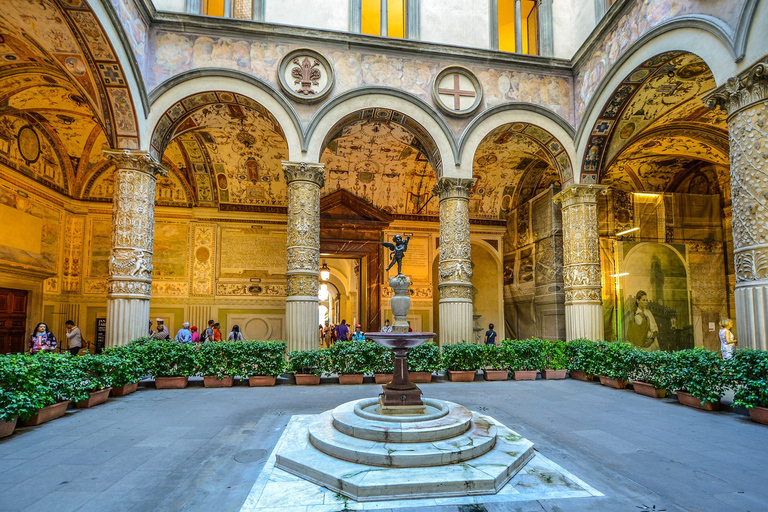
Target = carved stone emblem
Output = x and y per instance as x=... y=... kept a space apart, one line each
x=457 y=91
x=305 y=75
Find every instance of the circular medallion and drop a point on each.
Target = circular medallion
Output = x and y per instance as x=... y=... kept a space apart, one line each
x=29 y=144
x=305 y=75
x=457 y=91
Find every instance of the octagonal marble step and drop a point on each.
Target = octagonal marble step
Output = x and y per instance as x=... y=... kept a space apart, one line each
x=479 y=439
x=353 y=419
x=486 y=474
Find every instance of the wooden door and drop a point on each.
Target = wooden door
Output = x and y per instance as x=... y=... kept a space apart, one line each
x=13 y=320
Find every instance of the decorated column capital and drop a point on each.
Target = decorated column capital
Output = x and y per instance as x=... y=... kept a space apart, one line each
x=303 y=171
x=454 y=188
x=140 y=161
x=741 y=92
x=579 y=194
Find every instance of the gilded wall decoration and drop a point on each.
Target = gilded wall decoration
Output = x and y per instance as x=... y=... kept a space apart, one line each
x=34 y=156
x=203 y=258
x=168 y=260
x=74 y=242
x=247 y=252
x=455 y=251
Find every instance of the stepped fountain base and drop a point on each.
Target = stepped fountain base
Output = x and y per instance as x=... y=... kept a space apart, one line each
x=447 y=451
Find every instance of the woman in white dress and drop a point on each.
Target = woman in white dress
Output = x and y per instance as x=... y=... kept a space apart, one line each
x=727 y=341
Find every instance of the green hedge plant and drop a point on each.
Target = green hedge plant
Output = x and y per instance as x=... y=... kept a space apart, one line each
x=700 y=372
x=425 y=358
x=168 y=358
x=584 y=355
x=462 y=357
x=307 y=361
x=20 y=386
x=523 y=354
x=127 y=364
x=96 y=371
x=264 y=358
x=384 y=360
x=749 y=371
x=616 y=360
x=651 y=367
x=555 y=357
x=217 y=359
x=61 y=379
x=492 y=357
x=351 y=358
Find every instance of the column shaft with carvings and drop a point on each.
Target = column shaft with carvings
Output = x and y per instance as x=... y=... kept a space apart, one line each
x=581 y=262
x=130 y=261
x=745 y=98
x=455 y=265
x=303 y=249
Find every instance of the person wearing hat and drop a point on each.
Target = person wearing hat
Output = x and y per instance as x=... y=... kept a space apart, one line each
x=386 y=327
x=195 y=334
x=358 y=335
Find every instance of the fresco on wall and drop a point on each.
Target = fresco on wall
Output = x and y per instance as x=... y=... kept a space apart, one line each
x=134 y=27
x=167 y=258
x=25 y=148
x=655 y=298
x=638 y=20
x=101 y=243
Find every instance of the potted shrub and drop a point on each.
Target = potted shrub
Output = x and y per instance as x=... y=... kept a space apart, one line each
x=19 y=396
x=555 y=360
x=126 y=368
x=261 y=361
x=462 y=361
x=749 y=371
x=584 y=359
x=493 y=364
x=615 y=364
x=699 y=377
x=60 y=382
x=384 y=364
x=423 y=361
x=307 y=366
x=351 y=360
x=170 y=363
x=215 y=362
x=524 y=357
x=649 y=372
x=96 y=378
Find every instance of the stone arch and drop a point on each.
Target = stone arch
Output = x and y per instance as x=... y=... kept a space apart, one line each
x=178 y=97
x=397 y=106
x=489 y=305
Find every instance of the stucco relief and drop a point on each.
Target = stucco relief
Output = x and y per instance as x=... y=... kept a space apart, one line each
x=303 y=230
x=203 y=259
x=455 y=260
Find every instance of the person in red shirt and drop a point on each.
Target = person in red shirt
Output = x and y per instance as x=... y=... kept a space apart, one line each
x=216 y=332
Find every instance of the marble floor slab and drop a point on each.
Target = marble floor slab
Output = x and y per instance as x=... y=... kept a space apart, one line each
x=278 y=491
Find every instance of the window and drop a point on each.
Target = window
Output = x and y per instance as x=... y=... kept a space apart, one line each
x=240 y=9
x=392 y=11
x=527 y=19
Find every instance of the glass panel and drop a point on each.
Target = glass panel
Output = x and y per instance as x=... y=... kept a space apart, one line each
x=507 y=25
x=531 y=28
x=371 y=23
x=396 y=18
x=243 y=9
x=214 y=8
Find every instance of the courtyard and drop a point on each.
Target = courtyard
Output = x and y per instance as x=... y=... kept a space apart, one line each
x=204 y=449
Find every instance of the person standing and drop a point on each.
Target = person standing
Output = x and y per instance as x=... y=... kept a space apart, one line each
x=184 y=335
x=74 y=337
x=151 y=332
x=358 y=335
x=216 y=332
x=727 y=341
x=490 y=335
x=195 y=334
x=208 y=333
x=235 y=334
x=386 y=327
x=161 y=334
x=342 y=331
x=42 y=340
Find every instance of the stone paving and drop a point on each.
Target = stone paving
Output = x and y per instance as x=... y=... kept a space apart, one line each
x=204 y=449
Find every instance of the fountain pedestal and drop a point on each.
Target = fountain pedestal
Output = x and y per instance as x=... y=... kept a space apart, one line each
x=401 y=392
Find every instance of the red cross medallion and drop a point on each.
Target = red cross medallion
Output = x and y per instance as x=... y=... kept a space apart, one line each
x=457 y=92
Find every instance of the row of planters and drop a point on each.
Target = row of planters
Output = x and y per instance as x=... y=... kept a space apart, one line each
x=699 y=377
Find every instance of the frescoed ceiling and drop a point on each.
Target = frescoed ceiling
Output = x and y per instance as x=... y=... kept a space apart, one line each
x=63 y=93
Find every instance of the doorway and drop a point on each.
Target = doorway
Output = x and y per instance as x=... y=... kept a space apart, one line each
x=13 y=320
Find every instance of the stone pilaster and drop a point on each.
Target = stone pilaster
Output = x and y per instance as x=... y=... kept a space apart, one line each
x=130 y=261
x=303 y=248
x=745 y=98
x=455 y=265
x=581 y=262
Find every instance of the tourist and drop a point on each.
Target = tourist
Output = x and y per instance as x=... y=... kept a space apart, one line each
x=195 y=334
x=333 y=333
x=184 y=335
x=160 y=322
x=208 y=333
x=161 y=334
x=327 y=335
x=235 y=334
x=74 y=337
x=151 y=332
x=42 y=340
x=216 y=332
x=342 y=331
x=490 y=335
x=359 y=335
x=642 y=329
x=727 y=341
x=386 y=327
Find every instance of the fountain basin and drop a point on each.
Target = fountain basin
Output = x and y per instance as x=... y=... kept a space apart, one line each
x=400 y=340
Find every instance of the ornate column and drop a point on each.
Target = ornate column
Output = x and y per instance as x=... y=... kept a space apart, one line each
x=130 y=261
x=303 y=240
x=455 y=265
x=581 y=262
x=745 y=98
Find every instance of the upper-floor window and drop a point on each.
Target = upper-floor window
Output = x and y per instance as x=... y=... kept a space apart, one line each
x=517 y=26
x=241 y=9
x=384 y=18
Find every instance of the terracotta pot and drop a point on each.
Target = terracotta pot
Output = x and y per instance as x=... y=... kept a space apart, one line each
x=643 y=388
x=688 y=399
x=261 y=380
x=171 y=382
x=495 y=374
x=47 y=413
x=613 y=383
x=95 y=398
x=125 y=389
x=580 y=375
x=383 y=378
x=210 y=381
x=553 y=374
x=307 y=379
x=758 y=414
x=420 y=377
x=6 y=427
x=525 y=374
x=351 y=378
x=461 y=375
